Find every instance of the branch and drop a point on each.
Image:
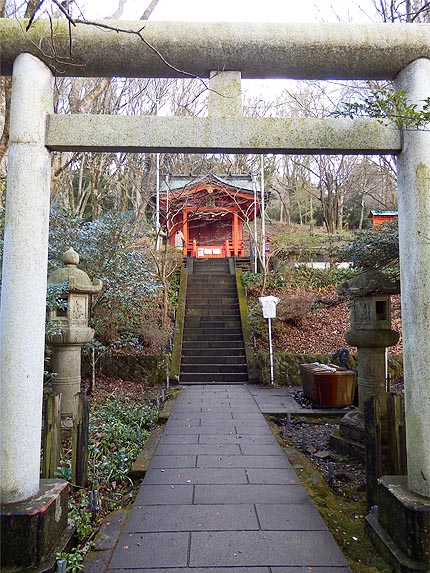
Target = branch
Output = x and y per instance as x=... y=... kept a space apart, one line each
x=33 y=14
x=149 y=10
x=63 y=11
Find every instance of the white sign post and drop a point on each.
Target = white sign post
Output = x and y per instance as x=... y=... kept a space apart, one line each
x=268 y=305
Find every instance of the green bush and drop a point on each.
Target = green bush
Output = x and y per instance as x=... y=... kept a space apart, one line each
x=374 y=248
x=297 y=277
x=117 y=430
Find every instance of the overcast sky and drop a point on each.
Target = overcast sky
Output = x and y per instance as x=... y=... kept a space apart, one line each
x=240 y=10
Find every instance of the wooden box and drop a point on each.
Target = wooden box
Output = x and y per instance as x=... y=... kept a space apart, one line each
x=328 y=386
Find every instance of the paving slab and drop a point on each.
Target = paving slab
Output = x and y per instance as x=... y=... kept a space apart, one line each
x=272 y=548
x=237 y=439
x=260 y=450
x=310 y=570
x=172 y=438
x=241 y=461
x=235 y=570
x=274 y=477
x=283 y=517
x=281 y=401
x=250 y=493
x=151 y=550
x=216 y=476
x=155 y=518
x=185 y=415
x=223 y=429
x=220 y=495
x=184 y=461
x=211 y=449
x=250 y=420
x=165 y=494
x=206 y=570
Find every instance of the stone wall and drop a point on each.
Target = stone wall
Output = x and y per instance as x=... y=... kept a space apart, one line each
x=144 y=369
x=287 y=366
x=153 y=369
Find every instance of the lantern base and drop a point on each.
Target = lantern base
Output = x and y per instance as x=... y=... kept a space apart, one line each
x=33 y=531
x=400 y=528
x=349 y=439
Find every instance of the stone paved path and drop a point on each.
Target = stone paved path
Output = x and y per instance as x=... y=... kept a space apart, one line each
x=220 y=495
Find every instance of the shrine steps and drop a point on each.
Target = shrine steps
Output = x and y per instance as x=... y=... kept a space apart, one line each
x=212 y=345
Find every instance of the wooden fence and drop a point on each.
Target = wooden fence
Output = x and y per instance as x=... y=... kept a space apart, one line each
x=52 y=438
x=385 y=442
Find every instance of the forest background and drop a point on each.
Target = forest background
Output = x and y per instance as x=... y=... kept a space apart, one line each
x=103 y=203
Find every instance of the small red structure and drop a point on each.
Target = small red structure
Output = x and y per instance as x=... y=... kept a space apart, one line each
x=380 y=217
x=205 y=215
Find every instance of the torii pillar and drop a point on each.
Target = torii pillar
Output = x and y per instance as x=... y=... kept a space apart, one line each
x=33 y=511
x=403 y=514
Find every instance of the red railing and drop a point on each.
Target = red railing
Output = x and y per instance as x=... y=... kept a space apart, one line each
x=193 y=249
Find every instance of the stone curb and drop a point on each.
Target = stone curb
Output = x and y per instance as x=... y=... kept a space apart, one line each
x=141 y=465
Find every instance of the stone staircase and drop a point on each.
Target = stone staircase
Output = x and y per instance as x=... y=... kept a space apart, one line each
x=212 y=347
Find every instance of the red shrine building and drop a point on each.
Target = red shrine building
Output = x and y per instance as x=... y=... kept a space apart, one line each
x=380 y=217
x=206 y=216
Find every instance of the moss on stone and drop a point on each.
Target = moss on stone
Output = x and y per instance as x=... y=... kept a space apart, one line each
x=253 y=375
x=175 y=362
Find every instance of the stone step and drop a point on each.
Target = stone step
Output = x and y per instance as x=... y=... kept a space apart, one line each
x=213 y=378
x=213 y=368
x=205 y=344
x=212 y=337
x=224 y=300
x=215 y=305
x=234 y=348
x=210 y=286
x=207 y=280
x=206 y=356
x=212 y=312
x=197 y=289
x=215 y=271
x=198 y=321
x=203 y=331
x=219 y=358
x=214 y=264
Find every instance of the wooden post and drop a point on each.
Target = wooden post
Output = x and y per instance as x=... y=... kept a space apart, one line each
x=372 y=447
x=227 y=248
x=51 y=436
x=396 y=434
x=80 y=439
x=235 y=234
x=185 y=230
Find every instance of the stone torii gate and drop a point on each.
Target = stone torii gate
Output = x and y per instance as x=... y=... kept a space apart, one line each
x=225 y=53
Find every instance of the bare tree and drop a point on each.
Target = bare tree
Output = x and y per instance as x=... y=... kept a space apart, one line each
x=411 y=11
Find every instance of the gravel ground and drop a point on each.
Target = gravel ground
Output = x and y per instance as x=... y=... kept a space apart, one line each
x=345 y=475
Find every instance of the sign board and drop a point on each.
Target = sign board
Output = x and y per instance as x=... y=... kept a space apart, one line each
x=268 y=305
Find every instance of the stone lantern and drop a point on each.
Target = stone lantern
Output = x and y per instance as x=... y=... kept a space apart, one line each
x=371 y=333
x=73 y=327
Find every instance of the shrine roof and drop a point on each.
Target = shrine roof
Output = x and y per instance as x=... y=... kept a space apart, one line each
x=374 y=213
x=242 y=183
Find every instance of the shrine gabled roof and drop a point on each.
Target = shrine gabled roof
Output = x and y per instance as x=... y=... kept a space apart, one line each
x=374 y=213
x=243 y=183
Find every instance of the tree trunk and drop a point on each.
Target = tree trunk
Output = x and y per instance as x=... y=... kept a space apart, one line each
x=360 y=224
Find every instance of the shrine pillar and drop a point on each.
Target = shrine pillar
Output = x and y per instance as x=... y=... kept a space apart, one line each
x=185 y=230
x=414 y=221
x=400 y=526
x=235 y=234
x=24 y=278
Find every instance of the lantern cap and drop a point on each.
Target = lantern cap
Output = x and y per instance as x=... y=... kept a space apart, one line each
x=71 y=257
x=77 y=279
